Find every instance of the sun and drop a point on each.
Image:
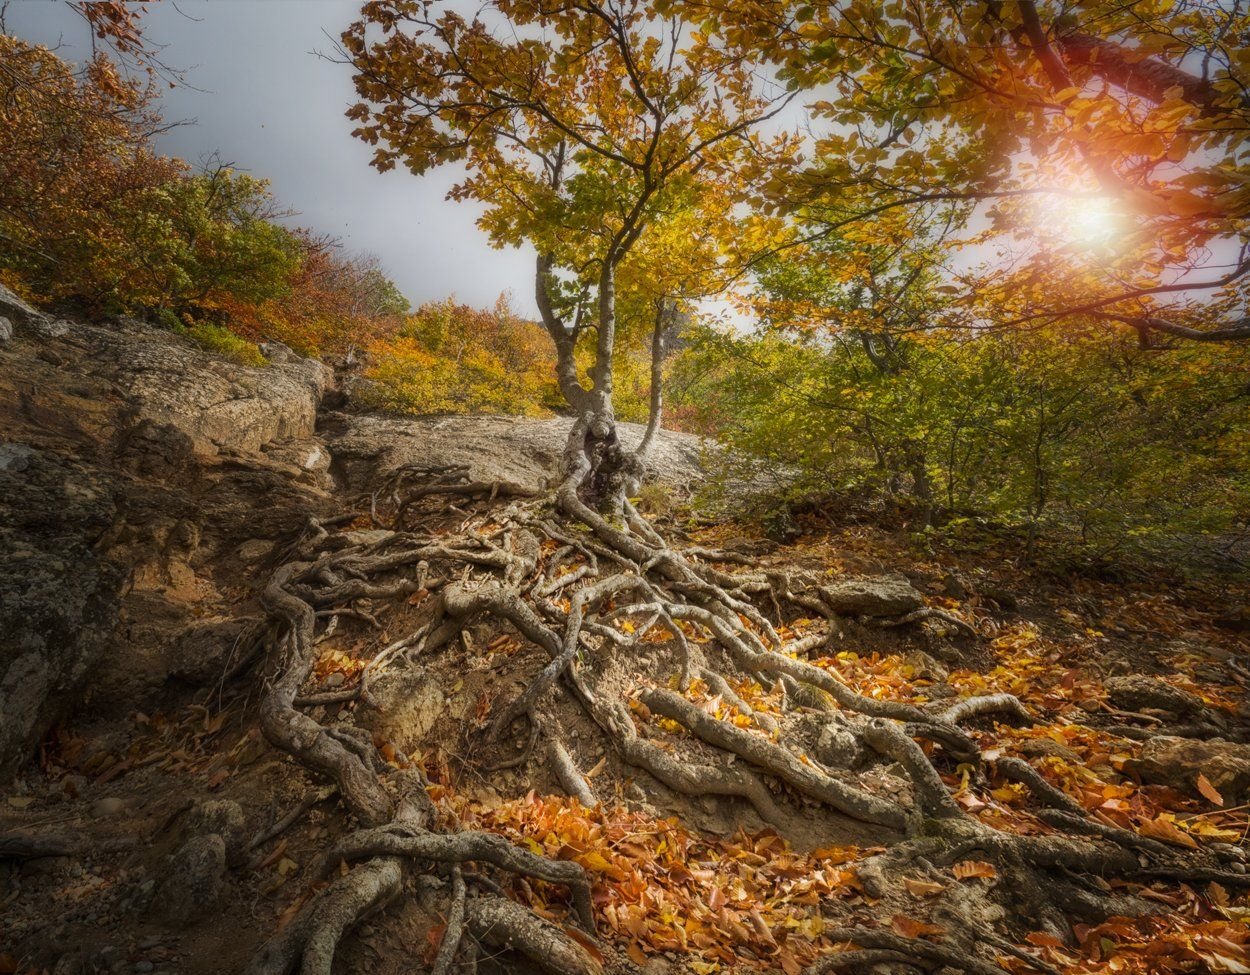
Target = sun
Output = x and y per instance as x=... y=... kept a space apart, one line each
x=1091 y=221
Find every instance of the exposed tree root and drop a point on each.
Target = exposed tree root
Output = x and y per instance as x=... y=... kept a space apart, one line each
x=604 y=584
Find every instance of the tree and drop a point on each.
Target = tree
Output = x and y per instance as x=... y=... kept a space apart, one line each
x=585 y=129
x=75 y=153
x=1118 y=127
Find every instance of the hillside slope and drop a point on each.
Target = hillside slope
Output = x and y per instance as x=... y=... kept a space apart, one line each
x=156 y=505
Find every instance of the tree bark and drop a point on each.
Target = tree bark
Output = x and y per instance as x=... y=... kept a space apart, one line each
x=659 y=335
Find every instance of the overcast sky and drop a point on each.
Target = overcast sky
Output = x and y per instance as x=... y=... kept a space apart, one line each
x=272 y=107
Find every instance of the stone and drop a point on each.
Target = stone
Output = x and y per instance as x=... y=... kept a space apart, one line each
x=16 y=310
x=225 y=818
x=204 y=649
x=1176 y=762
x=193 y=881
x=6 y=330
x=1137 y=692
x=956 y=586
x=1005 y=600
x=519 y=450
x=1236 y=619
x=884 y=595
x=109 y=807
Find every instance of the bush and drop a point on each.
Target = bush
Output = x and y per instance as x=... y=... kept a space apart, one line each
x=215 y=338
x=450 y=358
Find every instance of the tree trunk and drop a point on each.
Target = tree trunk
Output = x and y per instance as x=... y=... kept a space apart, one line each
x=656 y=407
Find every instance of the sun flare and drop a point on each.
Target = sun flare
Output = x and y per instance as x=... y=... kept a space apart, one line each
x=1084 y=222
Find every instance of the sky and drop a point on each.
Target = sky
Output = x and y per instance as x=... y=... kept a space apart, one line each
x=270 y=105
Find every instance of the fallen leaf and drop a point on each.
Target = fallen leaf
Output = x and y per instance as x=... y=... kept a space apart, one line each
x=969 y=869
x=1165 y=830
x=909 y=927
x=1209 y=792
x=922 y=888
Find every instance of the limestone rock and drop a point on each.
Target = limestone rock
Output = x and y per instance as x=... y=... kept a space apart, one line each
x=884 y=595
x=16 y=310
x=205 y=649
x=1176 y=762
x=513 y=449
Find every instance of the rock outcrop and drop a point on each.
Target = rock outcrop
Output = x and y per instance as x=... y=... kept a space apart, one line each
x=59 y=597
x=133 y=467
x=146 y=483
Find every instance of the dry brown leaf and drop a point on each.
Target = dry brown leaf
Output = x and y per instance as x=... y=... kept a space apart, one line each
x=968 y=869
x=922 y=888
x=1166 y=830
x=1209 y=792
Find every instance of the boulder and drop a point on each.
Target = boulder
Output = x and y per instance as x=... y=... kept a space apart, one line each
x=224 y=818
x=17 y=311
x=885 y=595
x=6 y=330
x=1176 y=762
x=519 y=450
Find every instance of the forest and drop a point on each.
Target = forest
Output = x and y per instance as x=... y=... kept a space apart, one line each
x=839 y=562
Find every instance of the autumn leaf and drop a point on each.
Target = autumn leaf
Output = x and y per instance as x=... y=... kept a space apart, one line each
x=1163 y=828
x=922 y=888
x=909 y=927
x=970 y=869
x=1209 y=792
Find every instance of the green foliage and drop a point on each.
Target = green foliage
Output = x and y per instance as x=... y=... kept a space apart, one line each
x=216 y=338
x=1047 y=429
x=192 y=245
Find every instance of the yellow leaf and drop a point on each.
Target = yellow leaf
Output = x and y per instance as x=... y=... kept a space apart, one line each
x=1164 y=829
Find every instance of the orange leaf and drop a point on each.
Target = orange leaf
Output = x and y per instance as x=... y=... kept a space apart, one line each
x=587 y=943
x=922 y=888
x=909 y=927
x=1165 y=830
x=974 y=868
x=1209 y=792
